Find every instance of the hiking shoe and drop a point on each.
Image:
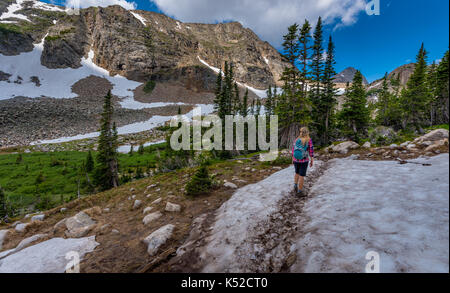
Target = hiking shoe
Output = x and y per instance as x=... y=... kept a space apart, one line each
x=296 y=188
x=301 y=193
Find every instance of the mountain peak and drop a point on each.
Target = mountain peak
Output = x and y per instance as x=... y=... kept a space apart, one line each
x=347 y=76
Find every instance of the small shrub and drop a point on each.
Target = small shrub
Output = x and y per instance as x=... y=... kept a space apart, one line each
x=149 y=87
x=200 y=183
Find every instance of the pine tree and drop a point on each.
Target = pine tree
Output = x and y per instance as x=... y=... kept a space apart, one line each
x=3 y=210
x=355 y=115
x=327 y=98
x=383 y=103
x=106 y=171
x=416 y=95
x=141 y=149
x=432 y=84
x=200 y=183
x=89 y=162
x=244 y=105
x=269 y=102
x=317 y=63
x=304 y=40
x=443 y=90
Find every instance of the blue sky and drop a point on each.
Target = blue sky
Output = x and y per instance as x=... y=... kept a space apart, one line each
x=373 y=44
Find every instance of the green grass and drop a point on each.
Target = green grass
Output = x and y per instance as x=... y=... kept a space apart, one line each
x=60 y=171
x=149 y=87
x=443 y=126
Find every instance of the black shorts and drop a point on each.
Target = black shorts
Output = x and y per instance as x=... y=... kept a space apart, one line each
x=300 y=168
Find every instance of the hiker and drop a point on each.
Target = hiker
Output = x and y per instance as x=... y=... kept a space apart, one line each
x=302 y=154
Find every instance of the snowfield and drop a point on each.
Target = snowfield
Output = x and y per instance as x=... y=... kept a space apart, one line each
x=50 y=256
x=55 y=83
x=399 y=211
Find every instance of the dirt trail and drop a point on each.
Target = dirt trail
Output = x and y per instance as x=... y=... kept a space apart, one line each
x=270 y=242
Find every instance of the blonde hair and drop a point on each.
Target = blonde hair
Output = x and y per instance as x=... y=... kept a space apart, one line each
x=304 y=135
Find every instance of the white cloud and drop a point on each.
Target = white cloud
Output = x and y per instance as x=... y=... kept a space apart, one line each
x=100 y=3
x=268 y=18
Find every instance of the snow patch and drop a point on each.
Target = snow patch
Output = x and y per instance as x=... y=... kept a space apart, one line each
x=55 y=83
x=139 y=17
x=362 y=206
x=12 y=9
x=131 y=103
x=46 y=257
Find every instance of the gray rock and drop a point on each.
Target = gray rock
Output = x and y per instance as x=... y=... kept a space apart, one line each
x=137 y=204
x=230 y=185
x=3 y=234
x=38 y=218
x=21 y=227
x=172 y=207
x=157 y=201
x=367 y=145
x=435 y=135
x=79 y=225
x=63 y=210
x=158 y=238
x=345 y=147
x=383 y=135
x=147 y=210
x=151 y=217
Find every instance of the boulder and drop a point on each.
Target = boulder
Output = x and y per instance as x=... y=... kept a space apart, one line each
x=172 y=207
x=63 y=210
x=157 y=201
x=147 y=210
x=137 y=204
x=367 y=145
x=345 y=147
x=405 y=144
x=151 y=217
x=21 y=227
x=230 y=185
x=435 y=135
x=383 y=135
x=38 y=218
x=79 y=225
x=3 y=234
x=60 y=225
x=393 y=146
x=158 y=238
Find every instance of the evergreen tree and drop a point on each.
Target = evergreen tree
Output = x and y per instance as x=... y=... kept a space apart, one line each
x=383 y=103
x=244 y=104
x=443 y=90
x=304 y=40
x=200 y=183
x=269 y=102
x=291 y=50
x=89 y=162
x=141 y=149
x=317 y=63
x=355 y=115
x=326 y=101
x=416 y=95
x=3 y=209
x=432 y=83
x=106 y=171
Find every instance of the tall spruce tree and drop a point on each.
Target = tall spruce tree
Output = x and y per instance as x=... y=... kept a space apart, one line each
x=3 y=210
x=106 y=171
x=355 y=114
x=443 y=90
x=383 y=103
x=433 y=100
x=317 y=63
x=416 y=95
x=89 y=162
x=304 y=40
x=324 y=106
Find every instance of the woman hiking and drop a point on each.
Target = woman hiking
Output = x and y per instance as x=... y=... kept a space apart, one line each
x=302 y=154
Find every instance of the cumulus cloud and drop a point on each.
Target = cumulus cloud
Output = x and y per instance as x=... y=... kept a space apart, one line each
x=100 y=3
x=268 y=18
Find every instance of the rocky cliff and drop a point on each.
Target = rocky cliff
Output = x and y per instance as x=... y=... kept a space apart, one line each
x=139 y=45
x=347 y=76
